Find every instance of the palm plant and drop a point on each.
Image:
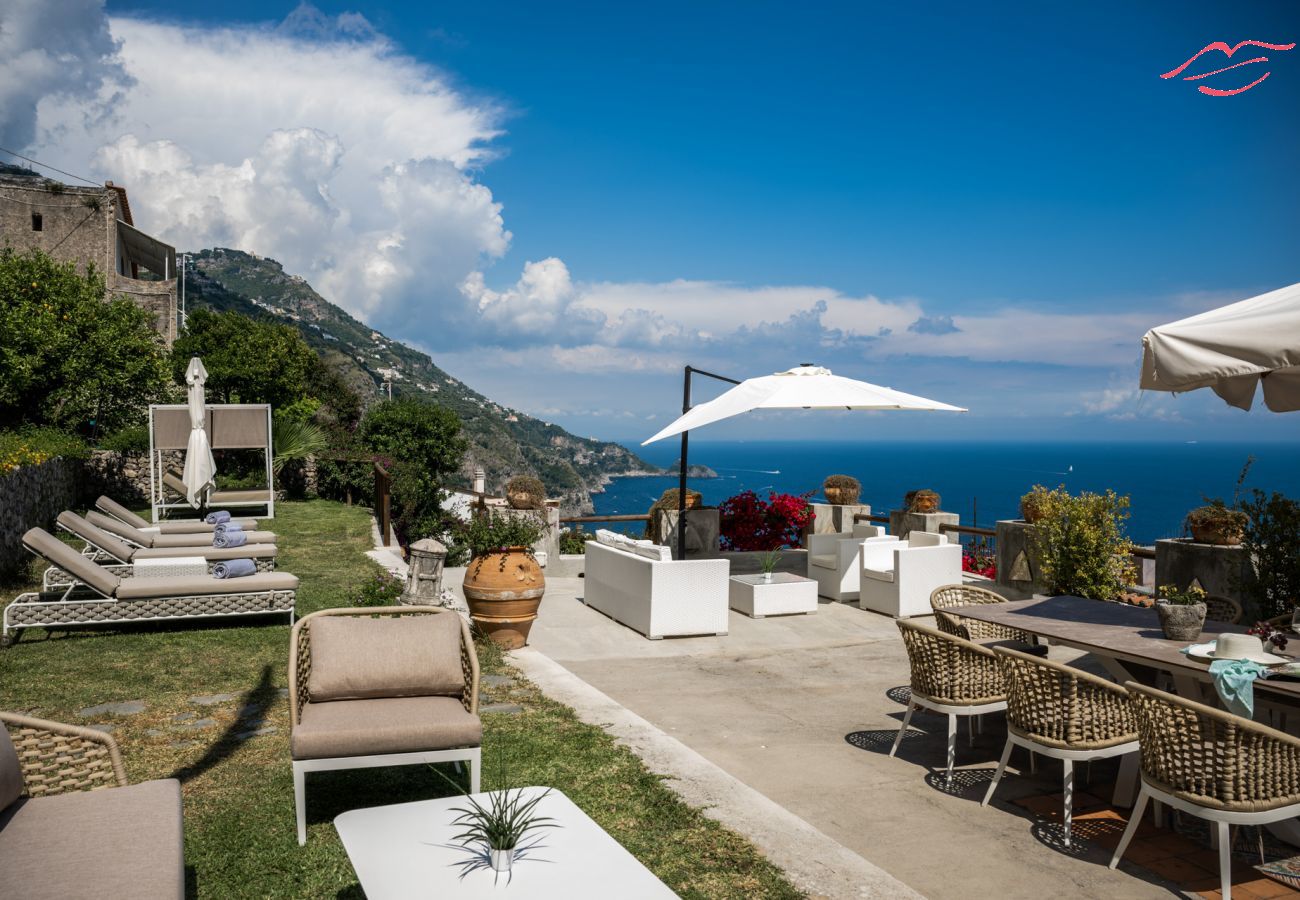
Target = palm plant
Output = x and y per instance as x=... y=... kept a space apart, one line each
x=295 y=441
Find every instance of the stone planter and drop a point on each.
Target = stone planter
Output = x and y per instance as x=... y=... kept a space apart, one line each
x=424 y=573
x=1221 y=571
x=834 y=518
x=503 y=591
x=841 y=496
x=1181 y=622
x=903 y=522
x=703 y=527
x=1019 y=567
x=1216 y=535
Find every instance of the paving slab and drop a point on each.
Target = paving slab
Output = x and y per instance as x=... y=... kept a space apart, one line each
x=124 y=708
x=802 y=710
x=212 y=699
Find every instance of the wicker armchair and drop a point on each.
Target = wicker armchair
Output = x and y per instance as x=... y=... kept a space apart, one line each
x=1061 y=712
x=64 y=789
x=372 y=695
x=1213 y=765
x=1225 y=609
x=950 y=676
x=953 y=596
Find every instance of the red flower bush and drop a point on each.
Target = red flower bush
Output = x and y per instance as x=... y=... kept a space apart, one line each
x=977 y=558
x=751 y=523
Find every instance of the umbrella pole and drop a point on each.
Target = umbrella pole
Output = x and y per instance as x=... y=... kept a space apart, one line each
x=681 y=475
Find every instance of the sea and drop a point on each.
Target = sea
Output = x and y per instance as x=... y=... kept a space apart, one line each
x=982 y=482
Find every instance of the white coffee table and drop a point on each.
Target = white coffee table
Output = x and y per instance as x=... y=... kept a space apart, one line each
x=170 y=566
x=406 y=850
x=785 y=594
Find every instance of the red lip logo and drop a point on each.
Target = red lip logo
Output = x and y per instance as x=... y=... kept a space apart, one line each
x=1227 y=51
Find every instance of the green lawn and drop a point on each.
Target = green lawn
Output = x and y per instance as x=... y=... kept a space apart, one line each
x=239 y=832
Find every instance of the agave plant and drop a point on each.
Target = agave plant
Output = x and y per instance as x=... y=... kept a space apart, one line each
x=295 y=441
x=502 y=823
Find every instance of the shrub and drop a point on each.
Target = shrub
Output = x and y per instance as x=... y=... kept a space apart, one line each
x=346 y=476
x=574 y=540
x=526 y=492
x=488 y=533
x=381 y=590
x=248 y=360
x=69 y=358
x=1272 y=540
x=1081 y=545
x=133 y=439
x=751 y=523
x=32 y=446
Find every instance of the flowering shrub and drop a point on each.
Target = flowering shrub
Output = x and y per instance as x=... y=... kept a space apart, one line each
x=979 y=559
x=33 y=446
x=750 y=523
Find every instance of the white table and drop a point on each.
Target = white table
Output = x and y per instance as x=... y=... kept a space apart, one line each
x=170 y=567
x=406 y=850
x=785 y=594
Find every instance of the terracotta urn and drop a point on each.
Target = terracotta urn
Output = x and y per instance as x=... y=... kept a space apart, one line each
x=922 y=501
x=504 y=589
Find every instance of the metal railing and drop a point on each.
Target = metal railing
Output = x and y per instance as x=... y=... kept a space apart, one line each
x=591 y=520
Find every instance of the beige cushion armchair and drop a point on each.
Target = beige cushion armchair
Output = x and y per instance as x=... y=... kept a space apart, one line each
x=385 y=686
x=70 y=826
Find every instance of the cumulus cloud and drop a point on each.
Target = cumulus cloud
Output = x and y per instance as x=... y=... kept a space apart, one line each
x=540 y=308
x=54 y=51
x=933 y=325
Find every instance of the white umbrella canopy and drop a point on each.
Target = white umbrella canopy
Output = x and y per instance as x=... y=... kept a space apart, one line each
x=1231 y=350
x=200 y=467
x=803 y=387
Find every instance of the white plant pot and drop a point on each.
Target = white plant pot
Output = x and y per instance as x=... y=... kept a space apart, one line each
x=766 y=578
x=501 y=859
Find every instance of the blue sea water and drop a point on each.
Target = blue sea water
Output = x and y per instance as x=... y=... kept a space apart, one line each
x=982 y=482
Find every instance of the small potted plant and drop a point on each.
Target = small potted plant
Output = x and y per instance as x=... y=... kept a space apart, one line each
x=1216 y=523
x=1035 y=505
x=500 y=824
x=504 y=583
x=767 y=563
x=1181 y=612
x=922 y=501
x=525 y=492
x=842 y=490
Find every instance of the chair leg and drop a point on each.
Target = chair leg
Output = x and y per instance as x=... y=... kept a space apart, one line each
x=300 y=802
x=475 y=762
x=952 y=746
x=1259 y=838
x=907 y=720
x=1033 y=763
x=1158 y=813
x=1225 y=860
x=1068 y=794
x=997 y=776
x=970 y=730
x=1139 y=807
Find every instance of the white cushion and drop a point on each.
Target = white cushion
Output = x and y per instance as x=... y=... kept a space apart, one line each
x=824 y=560
x=877 y=574
x=925 y=539
x=862 y=530
x=646 y=549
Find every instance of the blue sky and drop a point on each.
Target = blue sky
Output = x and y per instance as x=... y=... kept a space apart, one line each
x=987 y=205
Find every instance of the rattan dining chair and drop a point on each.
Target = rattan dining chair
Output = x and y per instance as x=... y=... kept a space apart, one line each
x=947 y=600
x=1214 y=765
x=1224 y=609
x=1061 y=712
x=950 y=676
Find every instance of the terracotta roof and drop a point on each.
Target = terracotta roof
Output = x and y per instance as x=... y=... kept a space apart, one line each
x=124 y=205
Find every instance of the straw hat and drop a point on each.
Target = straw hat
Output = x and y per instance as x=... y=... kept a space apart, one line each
x=1244 y=646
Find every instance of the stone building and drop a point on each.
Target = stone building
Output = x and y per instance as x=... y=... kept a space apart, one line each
x=92 y=226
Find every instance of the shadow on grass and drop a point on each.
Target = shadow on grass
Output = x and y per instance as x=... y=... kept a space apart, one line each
x=179 y=626
x=254 y=705
x=335 y=792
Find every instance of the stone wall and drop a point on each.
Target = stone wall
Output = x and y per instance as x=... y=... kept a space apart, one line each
x=32 y=496
x=122 y=476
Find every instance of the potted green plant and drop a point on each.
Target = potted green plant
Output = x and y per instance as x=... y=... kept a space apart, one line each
x=1217 y=523
x=922 y=501
x=504 y=583
x=767 y=563
x=525 y=492
x=1181 y=612
x=842 y=490
x=501 y=823
x=1035 y=505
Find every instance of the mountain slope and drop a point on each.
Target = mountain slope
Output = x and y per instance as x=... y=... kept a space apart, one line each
x=505 y=442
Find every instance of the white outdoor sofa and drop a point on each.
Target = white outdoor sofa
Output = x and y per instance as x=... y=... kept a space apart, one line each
x=899 y=576
x=835 y=560
x=638 y=584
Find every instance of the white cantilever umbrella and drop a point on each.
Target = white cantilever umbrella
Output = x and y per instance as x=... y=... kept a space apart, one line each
x=1231 y=350
x=200 y=467
x=803 y=387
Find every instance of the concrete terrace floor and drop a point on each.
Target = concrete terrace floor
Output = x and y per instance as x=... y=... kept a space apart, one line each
x=803 y=709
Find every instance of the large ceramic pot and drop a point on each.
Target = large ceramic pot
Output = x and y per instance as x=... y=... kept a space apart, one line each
x=1221 y=534
x=922 y=501
x=842 y=496
x=1181 y=622
x=503 y=590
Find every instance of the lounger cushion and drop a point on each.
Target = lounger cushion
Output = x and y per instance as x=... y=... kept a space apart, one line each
x=412 y=656
x=11 y=772
x=387 y=725
x=203 y=585
x=254 y=551
x=96 y=537
x=117 y=842
x=180 y=526
x=878 y=574
x=57 y=553
x=824 y=560
x=220 y=497
x=118 y=511
x=201 y=540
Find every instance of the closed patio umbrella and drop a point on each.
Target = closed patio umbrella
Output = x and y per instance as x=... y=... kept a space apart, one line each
x=1231 y=350
x=200 y=467
x=803 y=387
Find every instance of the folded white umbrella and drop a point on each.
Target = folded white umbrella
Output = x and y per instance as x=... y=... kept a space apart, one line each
x=200 y=467
x=803 y=387
x=1231 y=350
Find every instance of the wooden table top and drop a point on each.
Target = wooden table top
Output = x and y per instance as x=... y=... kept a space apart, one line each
x=1130 y=633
